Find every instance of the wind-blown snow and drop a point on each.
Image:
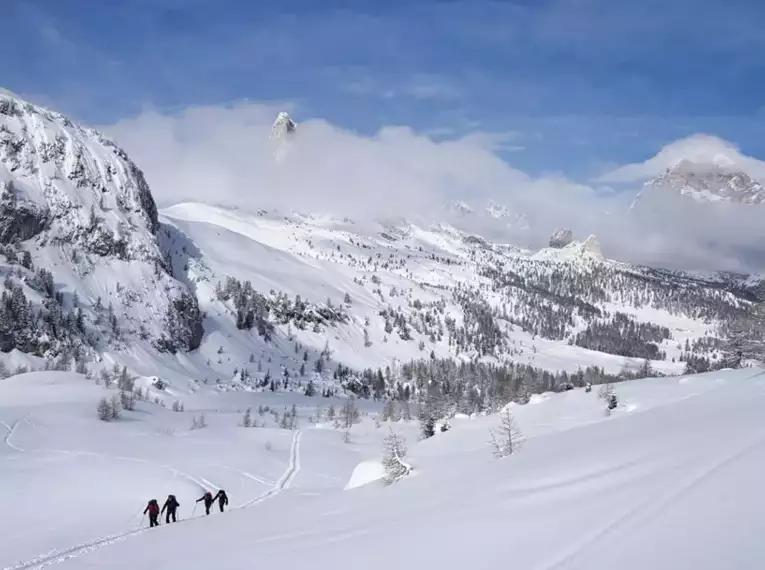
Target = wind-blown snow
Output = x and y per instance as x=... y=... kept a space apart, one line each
x=670 y=480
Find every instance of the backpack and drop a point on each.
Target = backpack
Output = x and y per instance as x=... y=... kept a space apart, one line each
x=153 y=508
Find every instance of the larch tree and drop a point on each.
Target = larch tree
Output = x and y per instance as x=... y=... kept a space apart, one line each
x=508 y=438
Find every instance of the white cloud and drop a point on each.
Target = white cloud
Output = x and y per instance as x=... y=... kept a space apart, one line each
x=222 y=155
x=700 y=148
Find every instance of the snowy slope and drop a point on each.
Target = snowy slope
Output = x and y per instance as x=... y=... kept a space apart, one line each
x=670 y=480
x=414 y=270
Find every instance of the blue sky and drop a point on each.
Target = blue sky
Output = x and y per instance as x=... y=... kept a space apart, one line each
x=579 y=86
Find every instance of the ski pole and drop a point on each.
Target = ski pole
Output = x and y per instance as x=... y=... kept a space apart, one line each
x=134 y=515
x=194 y=509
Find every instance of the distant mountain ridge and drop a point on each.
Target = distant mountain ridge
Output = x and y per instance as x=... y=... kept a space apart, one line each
x=706 y=182
x=233 y=299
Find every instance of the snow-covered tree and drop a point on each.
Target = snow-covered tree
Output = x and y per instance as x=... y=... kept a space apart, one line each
x=349 y=413
x=406 y=413
x=127 y=400
x=247 y=418
x=116 y=407
x=105 y=410
x=388 y=411
x=125 y=381
x=394 y=452
x=606 y=393
x=746 y=337
x=508 y=438
x=427 y=426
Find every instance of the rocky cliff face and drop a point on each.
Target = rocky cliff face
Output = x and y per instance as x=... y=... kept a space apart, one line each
x=706 y=182
x=282 y=132
x=561 y=238
x=76 y=206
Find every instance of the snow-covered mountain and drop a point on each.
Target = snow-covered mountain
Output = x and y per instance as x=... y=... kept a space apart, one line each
x=199 y=294
x=458 y=208
x=408 y=292
x=82 y=264
x=283 y=131
x=219 y=348
x=718 y=181
x=491 y=212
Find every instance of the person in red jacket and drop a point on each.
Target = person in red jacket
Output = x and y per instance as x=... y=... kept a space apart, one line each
x=153 y=509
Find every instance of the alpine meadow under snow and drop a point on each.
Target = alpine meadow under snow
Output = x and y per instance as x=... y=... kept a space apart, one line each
x=411 y=382
x=670 y=479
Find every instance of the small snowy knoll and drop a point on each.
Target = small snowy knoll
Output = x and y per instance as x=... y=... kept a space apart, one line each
x=670 y=480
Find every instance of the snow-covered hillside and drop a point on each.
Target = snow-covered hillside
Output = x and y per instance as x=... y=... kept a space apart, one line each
x=206 y=298
x=407 y=292
x=83 y=270
x=671 y=479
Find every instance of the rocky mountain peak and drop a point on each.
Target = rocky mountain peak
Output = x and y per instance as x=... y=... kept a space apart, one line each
x=283 y=125
x=718 y=181
x=283 y=129
x=587 y=250
x=72 y=184
x=561 y=238
x=80 y=213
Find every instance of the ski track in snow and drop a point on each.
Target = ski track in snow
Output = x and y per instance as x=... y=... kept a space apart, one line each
x=56 y=557
x=176 y=472
x=250 y=476
x=655 y=506
x=285 y=481
x=9 y=435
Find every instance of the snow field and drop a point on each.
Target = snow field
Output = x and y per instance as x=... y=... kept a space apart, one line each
x=669 y=480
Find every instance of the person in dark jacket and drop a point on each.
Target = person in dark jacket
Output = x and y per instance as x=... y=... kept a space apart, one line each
x=208 y=499
x=171 y=504
x=153 y=509
x=222 y=499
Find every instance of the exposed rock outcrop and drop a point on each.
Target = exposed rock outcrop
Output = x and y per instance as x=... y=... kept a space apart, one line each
x=561 y=238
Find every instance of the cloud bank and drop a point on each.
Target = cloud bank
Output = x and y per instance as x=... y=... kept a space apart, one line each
x=222 y=155
x=699 y=148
